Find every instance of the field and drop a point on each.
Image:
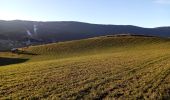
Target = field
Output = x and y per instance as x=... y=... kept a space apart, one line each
x=128 y=67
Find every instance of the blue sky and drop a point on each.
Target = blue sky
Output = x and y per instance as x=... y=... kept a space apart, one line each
x=145 y=13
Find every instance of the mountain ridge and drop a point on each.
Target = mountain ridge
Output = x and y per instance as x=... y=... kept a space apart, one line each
x=23 y=32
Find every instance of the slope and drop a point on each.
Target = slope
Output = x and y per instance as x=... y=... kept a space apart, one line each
x=97 y=68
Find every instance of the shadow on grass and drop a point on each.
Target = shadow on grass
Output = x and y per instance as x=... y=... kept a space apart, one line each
x=9 y=61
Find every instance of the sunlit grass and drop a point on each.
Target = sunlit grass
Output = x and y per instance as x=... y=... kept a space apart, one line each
x=97 y=68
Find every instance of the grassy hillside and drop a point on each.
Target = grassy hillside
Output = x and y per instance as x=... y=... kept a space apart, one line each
x=105 y=44
x=96 y=68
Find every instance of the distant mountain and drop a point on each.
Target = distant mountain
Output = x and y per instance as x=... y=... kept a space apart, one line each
x=45 y=32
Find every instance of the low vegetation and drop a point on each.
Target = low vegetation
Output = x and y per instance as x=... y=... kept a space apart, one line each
x=127 y=67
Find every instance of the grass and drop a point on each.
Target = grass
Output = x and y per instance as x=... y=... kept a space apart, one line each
x=97 y=68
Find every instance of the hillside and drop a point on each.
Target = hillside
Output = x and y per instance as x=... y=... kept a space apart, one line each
x=94 y=45
x=106 y=67
x=47 y=32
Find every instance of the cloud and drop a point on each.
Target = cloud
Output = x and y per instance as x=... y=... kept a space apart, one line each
x=162 y=1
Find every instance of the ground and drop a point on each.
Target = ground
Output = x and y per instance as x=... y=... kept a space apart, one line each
x=129 y=67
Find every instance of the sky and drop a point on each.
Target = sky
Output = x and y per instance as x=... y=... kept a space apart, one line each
x=144 y=13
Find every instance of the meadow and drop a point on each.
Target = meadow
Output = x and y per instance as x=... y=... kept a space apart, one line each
x=106 y=67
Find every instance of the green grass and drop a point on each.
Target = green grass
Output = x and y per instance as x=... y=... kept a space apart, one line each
x=97 y=68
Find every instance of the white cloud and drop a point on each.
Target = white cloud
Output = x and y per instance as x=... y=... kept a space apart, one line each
x=162 y=1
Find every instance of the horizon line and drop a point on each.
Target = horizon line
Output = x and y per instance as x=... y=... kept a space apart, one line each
x=83 y=22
